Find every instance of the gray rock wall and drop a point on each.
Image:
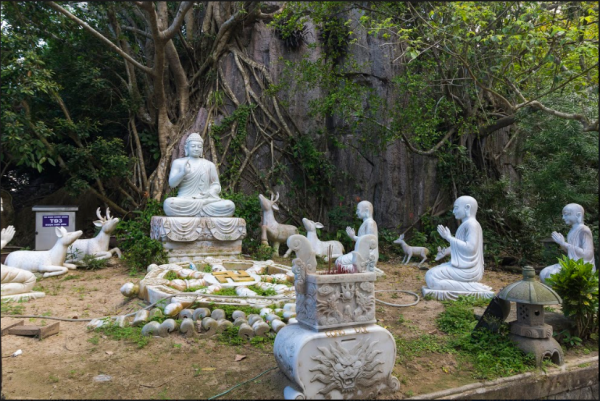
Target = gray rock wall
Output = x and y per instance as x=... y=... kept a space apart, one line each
x=401 y=185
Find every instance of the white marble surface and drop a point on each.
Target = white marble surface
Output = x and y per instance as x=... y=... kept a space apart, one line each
x=464 y=271
x=97 y=246
x=198 y=185
x=50 y=262
x=274 y=233
x=321 y=248
x=364 y=211
x=579 y=243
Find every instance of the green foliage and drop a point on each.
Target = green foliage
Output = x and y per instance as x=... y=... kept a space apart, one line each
x=207 y=268
x=12 y=308
x=491 y=354
x=235 y=154
x=407 y=350
x=196 y=288
x=269 y=292
x=171 y=275
x=139 y=250
x=91 y=263
x=262 y=252
x=226 y=291
x=247 y=207
x=229 y=309
x=569 y=340
x=129 y=333
x=577 y=285
x=230 y=336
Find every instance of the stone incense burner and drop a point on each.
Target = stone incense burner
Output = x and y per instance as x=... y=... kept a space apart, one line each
x=335 y=350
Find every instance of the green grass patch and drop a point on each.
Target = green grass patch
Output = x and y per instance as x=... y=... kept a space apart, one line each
x=193 y=289
x=171 y=275
x=71 y=277
x=129 y=334
x=229 y=309
x=491 y=354
x=207 y=268
x=12 y=307
x=407 y=350
x=269 y=292
x=226 y=291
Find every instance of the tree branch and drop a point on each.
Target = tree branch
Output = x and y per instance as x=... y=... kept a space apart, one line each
x=100 y=36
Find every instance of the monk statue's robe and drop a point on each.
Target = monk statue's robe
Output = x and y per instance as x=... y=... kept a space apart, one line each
x=580 y=245
x=465 y=268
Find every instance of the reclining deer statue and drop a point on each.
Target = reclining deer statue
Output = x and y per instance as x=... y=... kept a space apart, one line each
x=409 y=251
x=321 y=247
x=50 y=262
x=271 y=230
x=97 y=246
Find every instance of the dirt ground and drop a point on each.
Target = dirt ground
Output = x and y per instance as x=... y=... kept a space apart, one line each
x=64 y=366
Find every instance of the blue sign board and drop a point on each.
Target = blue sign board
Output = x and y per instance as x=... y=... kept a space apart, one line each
x=55 y=221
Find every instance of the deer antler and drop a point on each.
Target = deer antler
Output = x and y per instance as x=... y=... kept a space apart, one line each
x=276 y=198
x=108 y=216
x=100 y=215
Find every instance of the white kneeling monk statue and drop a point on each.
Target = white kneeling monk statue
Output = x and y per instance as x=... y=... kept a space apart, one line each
x=579 y=243
x=462 y=274
x=364 y=211
x=198 y=183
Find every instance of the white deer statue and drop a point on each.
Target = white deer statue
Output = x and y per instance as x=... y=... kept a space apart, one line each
x=271 y=230
x=97 y=246
x=50 y=262
x=321 y=248
x=409 y=251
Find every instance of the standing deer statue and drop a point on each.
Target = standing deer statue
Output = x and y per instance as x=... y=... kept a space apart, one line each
x=271 y=230
x=321 y=247
x=97 y=246
x=50 y=262
x=409 y=251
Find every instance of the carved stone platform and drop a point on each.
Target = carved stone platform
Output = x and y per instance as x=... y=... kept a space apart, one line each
x=445 y=295
x=24 y=296
x=335 y=351
x=192 y=238
x=351 y=362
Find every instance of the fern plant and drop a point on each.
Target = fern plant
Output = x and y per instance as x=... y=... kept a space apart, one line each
x=577 y=285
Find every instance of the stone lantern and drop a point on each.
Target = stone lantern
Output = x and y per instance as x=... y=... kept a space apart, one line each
x=529 y=331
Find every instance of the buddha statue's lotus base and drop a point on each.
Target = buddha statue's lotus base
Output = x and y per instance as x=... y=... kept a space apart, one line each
x=451 y=295
x=190 y=238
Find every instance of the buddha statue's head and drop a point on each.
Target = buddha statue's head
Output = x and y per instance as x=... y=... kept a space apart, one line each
x=194 y=145
x=465 y=207
x=364 y=210
x=573 y=214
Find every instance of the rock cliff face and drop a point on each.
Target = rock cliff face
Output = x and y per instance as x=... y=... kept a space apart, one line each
x=401 y=185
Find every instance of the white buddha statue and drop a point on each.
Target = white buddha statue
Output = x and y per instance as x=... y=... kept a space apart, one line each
x=364 y=211
x=198 y=183
x=14 y=280
x=465 y=269
x=579 y=243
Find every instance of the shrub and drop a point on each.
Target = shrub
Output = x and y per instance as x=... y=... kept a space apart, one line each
x=139 y=250
x=577 y=285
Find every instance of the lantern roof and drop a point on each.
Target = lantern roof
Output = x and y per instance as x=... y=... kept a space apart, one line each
x=529 y=291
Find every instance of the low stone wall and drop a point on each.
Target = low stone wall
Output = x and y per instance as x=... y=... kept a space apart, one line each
x=576 y=380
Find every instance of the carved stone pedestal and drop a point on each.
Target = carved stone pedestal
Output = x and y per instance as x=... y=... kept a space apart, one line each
x=335 y=351
x=444 y=295
x=351 y=362
x=192 y=238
